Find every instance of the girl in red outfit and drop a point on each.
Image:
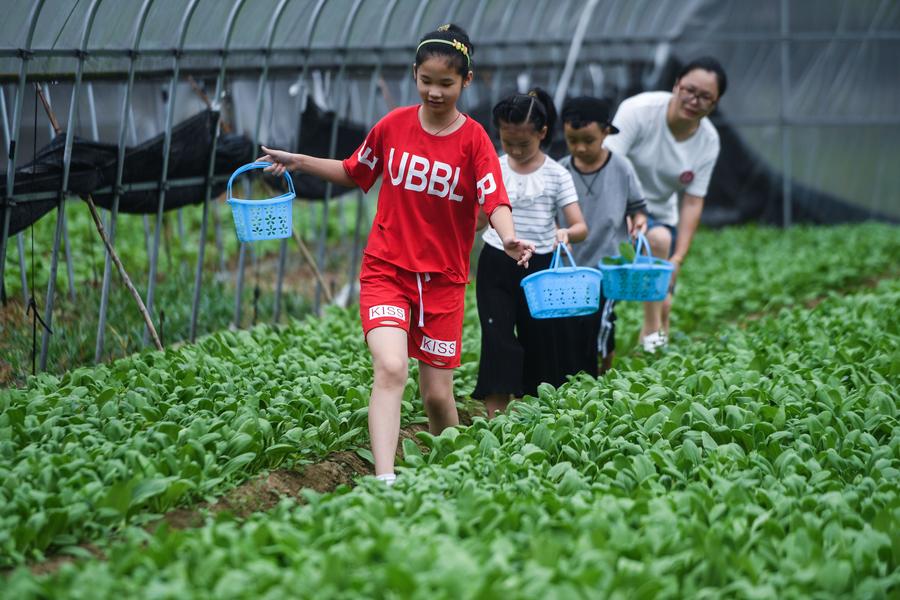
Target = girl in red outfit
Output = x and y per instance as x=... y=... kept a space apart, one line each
x=438 y=170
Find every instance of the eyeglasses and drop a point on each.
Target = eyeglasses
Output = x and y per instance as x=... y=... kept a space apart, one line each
x=703 y=99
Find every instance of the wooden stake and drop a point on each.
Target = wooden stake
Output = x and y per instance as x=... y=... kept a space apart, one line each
x=53 y=122
x=123 y=274
x=309 y=258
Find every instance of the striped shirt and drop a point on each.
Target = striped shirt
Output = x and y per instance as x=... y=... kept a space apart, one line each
x=535 y=198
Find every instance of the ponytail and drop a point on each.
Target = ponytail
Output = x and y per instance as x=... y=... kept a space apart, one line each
x=535 y=107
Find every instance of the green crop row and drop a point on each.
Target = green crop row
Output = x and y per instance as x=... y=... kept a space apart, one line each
x=735 y=272
x=761 y=462
x=59 y=442
x=75 y=320
x=75 y=323
x=101 y=447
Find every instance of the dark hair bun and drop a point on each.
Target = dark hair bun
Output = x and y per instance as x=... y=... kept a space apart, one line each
x=535 y=107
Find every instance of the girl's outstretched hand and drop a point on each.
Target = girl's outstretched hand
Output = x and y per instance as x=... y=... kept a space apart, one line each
x=519 y=250
x=281 y=161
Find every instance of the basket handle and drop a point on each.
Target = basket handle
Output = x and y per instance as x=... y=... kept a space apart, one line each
x=258 y=165
x=642 y=244
x=557 y=261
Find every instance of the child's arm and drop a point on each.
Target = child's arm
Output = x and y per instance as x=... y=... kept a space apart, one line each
x=689 y=219
x=636 y=223
x=519 y=250
x=636 y=205
x=577 y=229
x=328 y=169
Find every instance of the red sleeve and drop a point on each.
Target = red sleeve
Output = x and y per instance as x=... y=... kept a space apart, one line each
x=489 y=186
x=365 y=165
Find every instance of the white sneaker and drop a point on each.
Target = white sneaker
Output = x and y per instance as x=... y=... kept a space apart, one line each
x=654 y=341
x=389 y=479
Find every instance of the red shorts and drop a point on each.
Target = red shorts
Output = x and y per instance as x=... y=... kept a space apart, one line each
x=390 y=296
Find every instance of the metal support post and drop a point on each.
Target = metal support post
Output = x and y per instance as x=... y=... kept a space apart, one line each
x=20 y=239
x=125 y=123
x=787 y=175
x=260 y=101
x=14 y=134
x=61 y=226
x=167 y=145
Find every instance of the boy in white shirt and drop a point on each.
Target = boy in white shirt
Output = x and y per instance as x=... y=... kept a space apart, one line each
x=673 y=147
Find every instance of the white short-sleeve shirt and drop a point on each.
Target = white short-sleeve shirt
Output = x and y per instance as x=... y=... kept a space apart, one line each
x=535 y=199
x=666 y=167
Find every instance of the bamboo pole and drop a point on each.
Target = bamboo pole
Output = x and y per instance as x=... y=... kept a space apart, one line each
x=309 y=258
x=53 y=122
x=123 y=273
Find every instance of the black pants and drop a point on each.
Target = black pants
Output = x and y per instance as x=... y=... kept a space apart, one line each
x=518 y=352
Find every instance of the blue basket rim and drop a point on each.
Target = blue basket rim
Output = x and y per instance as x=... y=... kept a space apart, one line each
x=657 y=263
x=560 y=270
x=262 y=202
x=562 y=313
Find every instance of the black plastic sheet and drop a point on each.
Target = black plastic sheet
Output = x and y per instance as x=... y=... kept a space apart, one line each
x=191 y=144
x=315 y=140
x=44 y=174
x=93 y=168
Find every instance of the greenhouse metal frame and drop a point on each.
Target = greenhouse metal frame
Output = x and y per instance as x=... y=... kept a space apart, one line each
x=783 y=58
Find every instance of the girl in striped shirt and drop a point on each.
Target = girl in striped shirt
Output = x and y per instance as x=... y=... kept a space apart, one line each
x=517 y=351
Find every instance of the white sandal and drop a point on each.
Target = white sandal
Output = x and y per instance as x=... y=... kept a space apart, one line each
x=653 y=341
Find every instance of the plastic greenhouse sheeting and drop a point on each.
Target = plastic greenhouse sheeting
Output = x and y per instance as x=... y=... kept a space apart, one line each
x=813 y=91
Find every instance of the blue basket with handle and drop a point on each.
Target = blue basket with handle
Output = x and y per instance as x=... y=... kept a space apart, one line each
x=645 y=279
x=267 y=219
x=560 y=291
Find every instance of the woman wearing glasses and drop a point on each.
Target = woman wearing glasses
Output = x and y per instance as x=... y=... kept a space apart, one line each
x=673 y=147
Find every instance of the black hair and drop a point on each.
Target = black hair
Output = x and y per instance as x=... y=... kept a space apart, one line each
x=535 y=107
x=582 y=111
x=462 y=62
x=707 y=63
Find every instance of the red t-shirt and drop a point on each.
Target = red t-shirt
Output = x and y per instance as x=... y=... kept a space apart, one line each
x=428 y=203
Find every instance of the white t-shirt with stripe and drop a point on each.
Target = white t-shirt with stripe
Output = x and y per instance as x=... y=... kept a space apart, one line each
x=535 y=198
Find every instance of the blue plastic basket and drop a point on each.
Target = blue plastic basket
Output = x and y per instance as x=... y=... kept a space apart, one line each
x=562 y=291
x=257 y=220
x=646 y=279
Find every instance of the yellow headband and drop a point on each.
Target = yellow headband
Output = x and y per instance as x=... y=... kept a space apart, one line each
x=455 y=43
